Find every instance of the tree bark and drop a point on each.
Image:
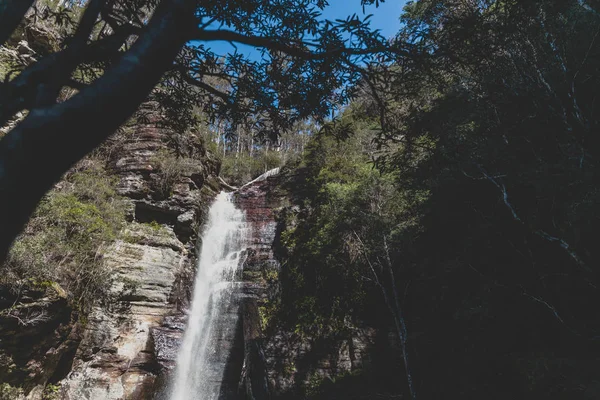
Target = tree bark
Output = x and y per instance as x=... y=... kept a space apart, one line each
x=11 y=15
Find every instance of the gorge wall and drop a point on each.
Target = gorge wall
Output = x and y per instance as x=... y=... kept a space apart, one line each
x=278 y=362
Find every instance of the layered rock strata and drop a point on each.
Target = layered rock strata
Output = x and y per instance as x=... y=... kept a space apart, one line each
x=125 y=352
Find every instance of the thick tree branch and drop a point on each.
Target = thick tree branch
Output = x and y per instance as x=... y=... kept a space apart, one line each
x=204 y=86
x=68 y=59
x=40 y=149
x=17 y=94
x=11 y=15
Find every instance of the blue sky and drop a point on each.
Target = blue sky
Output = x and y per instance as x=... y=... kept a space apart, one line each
x=386 y=17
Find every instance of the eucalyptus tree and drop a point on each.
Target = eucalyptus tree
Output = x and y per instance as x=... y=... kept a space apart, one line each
x=119 y=50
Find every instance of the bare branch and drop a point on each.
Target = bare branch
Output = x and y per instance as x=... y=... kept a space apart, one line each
x=561 y=242
x=42 y=316
x=205 y=86
x=396 y=311
x=502 y=189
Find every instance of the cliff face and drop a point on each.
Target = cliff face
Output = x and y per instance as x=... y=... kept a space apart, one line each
x=127 y=349
x=123 y=349
x=258 y=200
x=117 y=357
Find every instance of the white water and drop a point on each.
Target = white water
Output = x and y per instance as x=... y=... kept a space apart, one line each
x=199 y=370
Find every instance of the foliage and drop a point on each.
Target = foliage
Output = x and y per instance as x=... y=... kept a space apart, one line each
x=8 y=61
x=481 y=218
x=63 y=241
x=171 y=168
x=51 y=392
x=355 y=385
x=8 y=392
x=487 y=133
x=327 y=278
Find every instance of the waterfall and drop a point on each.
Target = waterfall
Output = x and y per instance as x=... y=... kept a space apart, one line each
x=202 y=357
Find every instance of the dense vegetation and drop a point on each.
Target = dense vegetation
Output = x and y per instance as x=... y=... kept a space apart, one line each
x=64 y=240
x=473 y=228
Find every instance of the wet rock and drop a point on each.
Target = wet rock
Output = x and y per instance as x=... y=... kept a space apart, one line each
x=258 y=200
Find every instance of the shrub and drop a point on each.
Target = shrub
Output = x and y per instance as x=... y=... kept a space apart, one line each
x=51 y=392
x=171 y=169
x=63 y=241
x=8 y=392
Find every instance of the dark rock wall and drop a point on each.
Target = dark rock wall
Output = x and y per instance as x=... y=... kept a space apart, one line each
x=259 y=201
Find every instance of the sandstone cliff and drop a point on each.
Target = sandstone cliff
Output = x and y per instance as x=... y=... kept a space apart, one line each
x=124 y=352
x=118 y=350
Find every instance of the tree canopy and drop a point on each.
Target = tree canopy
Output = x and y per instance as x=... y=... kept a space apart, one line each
x=114 y=52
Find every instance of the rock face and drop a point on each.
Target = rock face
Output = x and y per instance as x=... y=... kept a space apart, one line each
x=116 y=358
x=37 y=337
x=258 y=200
x=127 y=349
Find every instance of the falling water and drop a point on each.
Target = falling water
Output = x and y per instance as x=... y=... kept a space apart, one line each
x=199 y=369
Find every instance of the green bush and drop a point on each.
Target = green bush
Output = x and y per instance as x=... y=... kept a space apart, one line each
x=347 y=211
x=63 y=241
x=51 y=392
x=171 y=169
x=8 y=392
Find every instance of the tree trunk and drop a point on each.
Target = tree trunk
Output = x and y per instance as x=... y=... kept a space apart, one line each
x=40 y=149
